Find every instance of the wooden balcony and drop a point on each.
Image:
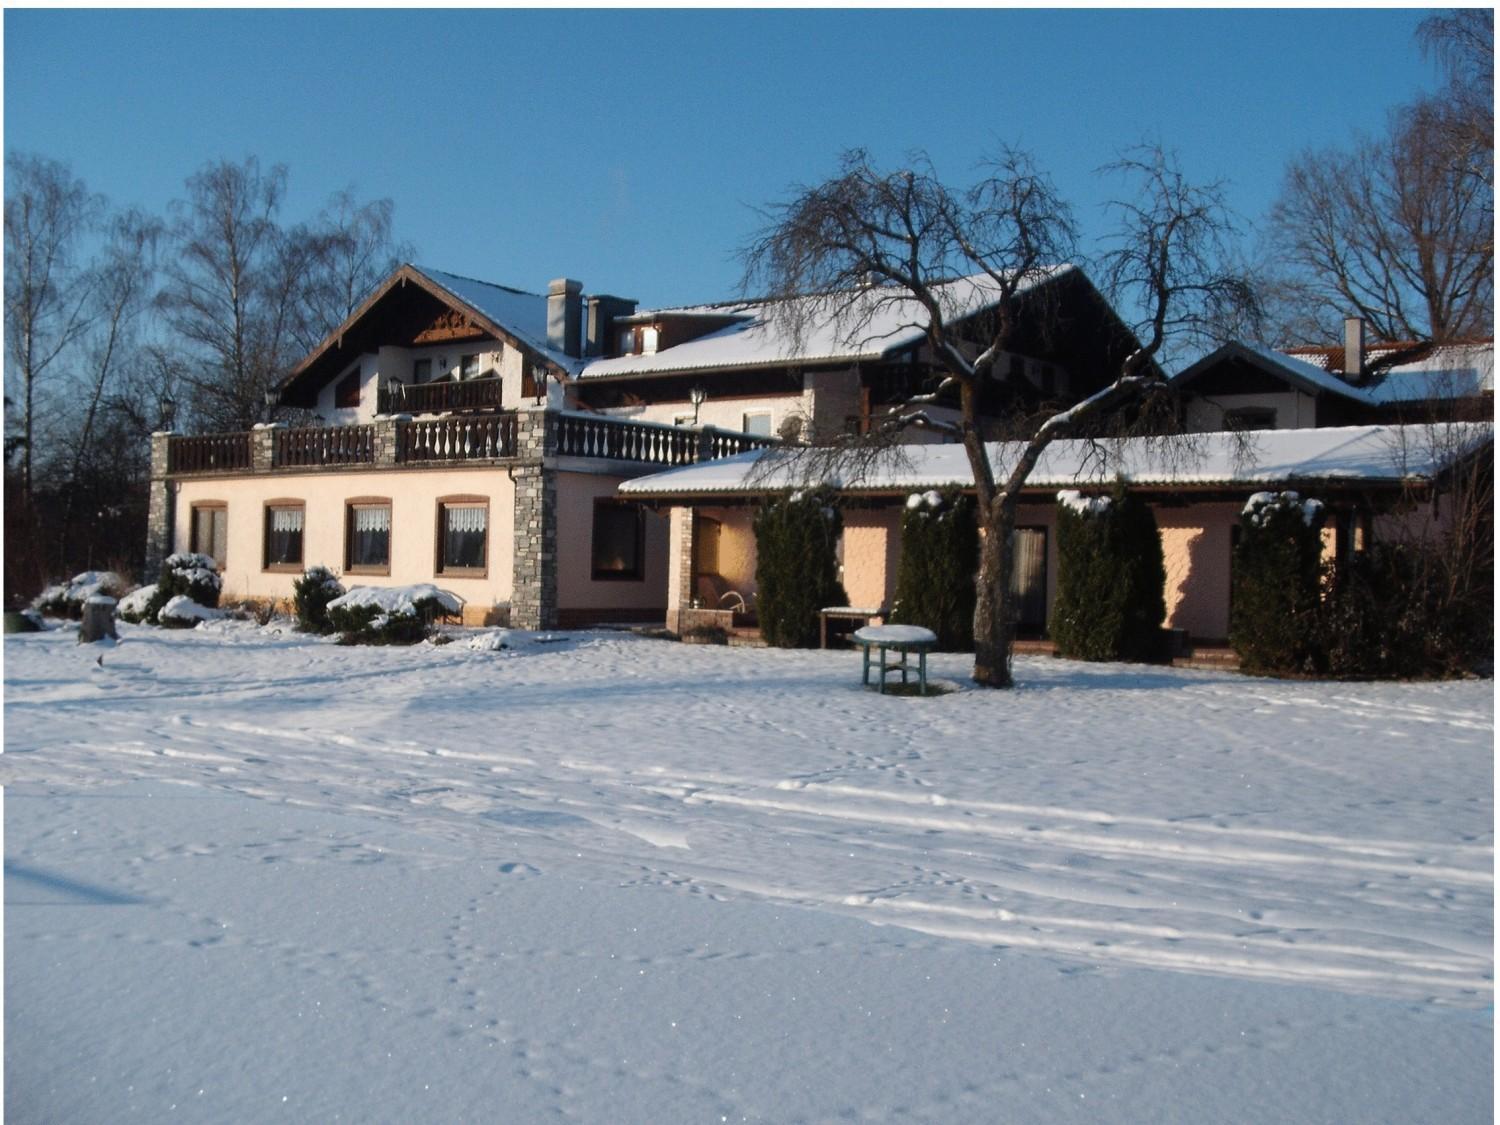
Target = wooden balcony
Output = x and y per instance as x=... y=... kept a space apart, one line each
x=439 y=398
x=393 y=442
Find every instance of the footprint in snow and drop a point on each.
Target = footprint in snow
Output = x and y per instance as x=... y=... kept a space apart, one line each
x=525 y=870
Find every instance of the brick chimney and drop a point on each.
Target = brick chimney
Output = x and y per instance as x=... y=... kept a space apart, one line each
x=565 y=316
x=1354 y=349
x=604 y=310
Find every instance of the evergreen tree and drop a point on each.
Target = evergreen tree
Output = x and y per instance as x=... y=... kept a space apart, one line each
x=935 y=577
x=796 y=570
x=1111 y=578
x=1277 y=569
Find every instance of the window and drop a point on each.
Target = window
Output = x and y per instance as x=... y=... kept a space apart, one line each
x=531 y=386
x=1028 y=578
x=619 y=541
x=368 y=542
x=210 y=531
x=346 y=394
x=421 y=370
x=1250 y=418
x=463 y=526
x=758 y=423
x=283 y=535
x=468 y=366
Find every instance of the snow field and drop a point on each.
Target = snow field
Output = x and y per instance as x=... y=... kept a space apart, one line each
x=543 y=854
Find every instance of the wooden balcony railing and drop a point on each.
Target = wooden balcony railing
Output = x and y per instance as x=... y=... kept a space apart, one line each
x=209 y=453
x=439 y=398
x=583 y=435
x=323 y=445
x=457 y=439
x=464 y=437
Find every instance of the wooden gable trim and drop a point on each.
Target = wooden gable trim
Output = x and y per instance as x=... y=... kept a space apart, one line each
x=410 y=274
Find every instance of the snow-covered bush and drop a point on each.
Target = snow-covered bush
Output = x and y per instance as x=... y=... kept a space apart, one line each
x=387 y=615
x=133 y=606
x=67 y=599
x=311 y=594
x=1275 y=581
x=796 y=569
x=182 y=612
x=935 y=577
x=186 y=575
x=1111 y=578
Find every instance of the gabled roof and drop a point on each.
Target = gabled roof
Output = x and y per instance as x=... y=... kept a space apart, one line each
x=505 y=313
x=1421 y=372
x=886 y=322
x=1302 y=375
x=1364 y=455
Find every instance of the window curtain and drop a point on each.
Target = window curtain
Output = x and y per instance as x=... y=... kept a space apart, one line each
x=463 y=537
x=1028 y=576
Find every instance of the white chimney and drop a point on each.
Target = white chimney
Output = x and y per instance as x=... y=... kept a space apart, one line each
x=565 y=316
x=1354 y=349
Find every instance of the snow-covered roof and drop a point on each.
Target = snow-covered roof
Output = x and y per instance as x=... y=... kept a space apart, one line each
x=1447 y=371
x=1352 y=454
x=522 y=314
x=885 y=321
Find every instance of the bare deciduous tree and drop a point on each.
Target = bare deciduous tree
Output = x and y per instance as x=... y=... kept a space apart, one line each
x=48 y=291
x=866 y=244
x=1400 y=229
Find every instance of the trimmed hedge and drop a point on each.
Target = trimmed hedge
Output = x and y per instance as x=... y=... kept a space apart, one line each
x=796 y=570
x=1111 y=579
x=939 y=559
x=1275 y=583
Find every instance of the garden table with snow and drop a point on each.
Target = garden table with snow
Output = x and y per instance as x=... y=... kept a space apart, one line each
x=903 y=639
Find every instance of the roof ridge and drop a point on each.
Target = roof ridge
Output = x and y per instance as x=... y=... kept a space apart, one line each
x=430 y=270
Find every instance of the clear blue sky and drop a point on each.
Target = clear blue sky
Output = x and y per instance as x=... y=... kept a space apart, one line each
x=629 y=148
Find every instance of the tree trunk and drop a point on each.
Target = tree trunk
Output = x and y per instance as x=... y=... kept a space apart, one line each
x=994 y=621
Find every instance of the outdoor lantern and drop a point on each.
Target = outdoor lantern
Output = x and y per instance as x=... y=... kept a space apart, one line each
x=696 y=397
x=168 y=410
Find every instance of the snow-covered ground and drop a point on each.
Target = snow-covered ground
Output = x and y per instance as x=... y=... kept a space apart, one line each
x=255 y=876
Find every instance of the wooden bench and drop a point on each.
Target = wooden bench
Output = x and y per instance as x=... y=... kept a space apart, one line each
x=903 y=639
x=845 y=613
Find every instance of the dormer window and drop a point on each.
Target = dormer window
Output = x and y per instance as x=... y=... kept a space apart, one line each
x=640 y=340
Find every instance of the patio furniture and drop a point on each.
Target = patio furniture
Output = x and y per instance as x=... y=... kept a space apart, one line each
x=845 y=613
x=902 y=639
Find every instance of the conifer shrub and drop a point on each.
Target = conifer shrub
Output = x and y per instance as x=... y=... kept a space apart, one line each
x=186 y=575
x=939 y=558
x=1394 y=611
x=392 y=615
x=796 y=569
x=1111 y=578
x=311 y=594
x=1276 y=576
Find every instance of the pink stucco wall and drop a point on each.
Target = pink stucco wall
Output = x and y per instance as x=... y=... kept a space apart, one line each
x=414 y=499
x=576 y=586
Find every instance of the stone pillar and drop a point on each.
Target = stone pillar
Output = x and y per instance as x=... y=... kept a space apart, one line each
x=387 y=434
x=263 y=445
x=679 y=567
x=533 y=599
x=161 y=506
